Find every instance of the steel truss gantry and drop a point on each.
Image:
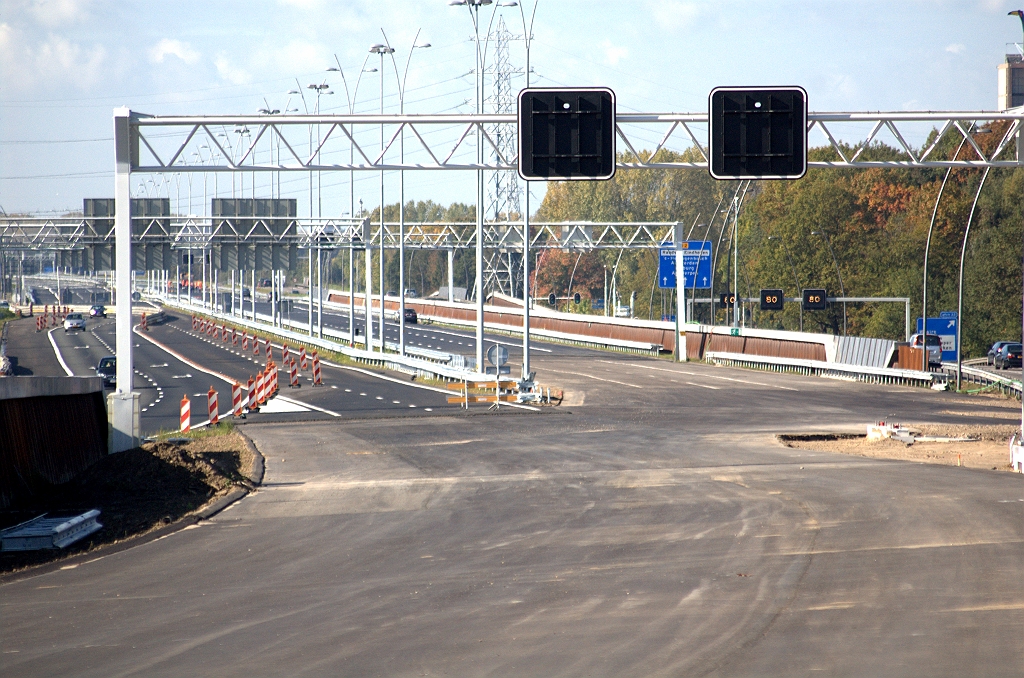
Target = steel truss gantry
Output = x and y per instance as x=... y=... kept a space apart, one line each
x=163 y=144
x=17 y=233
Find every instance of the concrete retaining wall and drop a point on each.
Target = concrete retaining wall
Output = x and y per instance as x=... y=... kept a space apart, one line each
x=51 y=429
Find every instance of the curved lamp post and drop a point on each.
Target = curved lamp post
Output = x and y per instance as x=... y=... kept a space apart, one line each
x=842 y=288
x=796 y=278
x=401 y=184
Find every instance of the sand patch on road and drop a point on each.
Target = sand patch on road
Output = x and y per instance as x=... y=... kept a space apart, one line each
x=990 y=450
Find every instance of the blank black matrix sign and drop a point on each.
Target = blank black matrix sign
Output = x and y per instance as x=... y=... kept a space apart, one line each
x=566 y=134
x=758 y=132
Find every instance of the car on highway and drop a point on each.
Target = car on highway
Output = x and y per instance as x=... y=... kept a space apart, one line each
x=934 y=347
x=74 y=321
x=410 y=316
x=107 y=369
x=98 y=311
x=1009 y=355
x=995 y=349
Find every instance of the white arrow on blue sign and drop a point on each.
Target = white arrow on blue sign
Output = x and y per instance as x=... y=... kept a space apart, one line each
x=696 y=265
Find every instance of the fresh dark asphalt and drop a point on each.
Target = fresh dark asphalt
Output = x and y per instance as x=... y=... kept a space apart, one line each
x=653 y=526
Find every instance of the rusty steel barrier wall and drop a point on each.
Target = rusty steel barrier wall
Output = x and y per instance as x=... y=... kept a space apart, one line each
x=599 y=327
x=49 y=439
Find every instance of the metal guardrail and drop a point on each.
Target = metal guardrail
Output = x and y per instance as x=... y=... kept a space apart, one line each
x=407 y=363
x=980 y=377
x=873 y=375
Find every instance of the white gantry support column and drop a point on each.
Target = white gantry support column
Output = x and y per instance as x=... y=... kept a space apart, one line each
x=124 y=432
x=526 y=284
x=680 y=340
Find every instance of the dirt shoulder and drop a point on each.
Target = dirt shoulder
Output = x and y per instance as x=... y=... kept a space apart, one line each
x=990 y=450
x=140 y=491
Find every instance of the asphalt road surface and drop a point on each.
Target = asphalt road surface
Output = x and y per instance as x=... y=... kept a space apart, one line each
x=173 y=361
x=653 y=527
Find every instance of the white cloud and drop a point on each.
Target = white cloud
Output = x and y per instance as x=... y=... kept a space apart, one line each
x=58 y=12
x=177 y=48
x=230 y=72
x=31 y=64
x=955 y=48
x=673 y=14
x=612 y=54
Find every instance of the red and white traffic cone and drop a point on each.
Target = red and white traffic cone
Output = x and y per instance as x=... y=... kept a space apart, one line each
x=186 y=415
x=316 y=370
x=236 y=400
x=211 y=399
x=253 y=405
x=142 y=324
x=195 y=323
x=261 y=388
x=255 y=345
x=284 y=354
x=272 y=371
x=302 y=357
x=245 y=341
x=224 y=334
x=294 y=372
x=270 y=351
x=234 y=337
x=39 y=324
x=211 y=328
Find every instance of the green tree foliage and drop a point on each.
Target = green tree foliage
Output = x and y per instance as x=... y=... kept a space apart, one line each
x=876 y=219
x=690 y=197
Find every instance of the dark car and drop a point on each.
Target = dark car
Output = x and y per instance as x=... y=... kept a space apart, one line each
x=1009 y=355
x=107 y=369
x=98 y=311
x=410 y=316
x=995 y=349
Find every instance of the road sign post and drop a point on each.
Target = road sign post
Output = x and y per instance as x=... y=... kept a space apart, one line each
x=945 y=327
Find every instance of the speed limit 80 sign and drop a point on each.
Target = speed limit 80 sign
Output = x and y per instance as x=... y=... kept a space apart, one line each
x=815 y=300
x=772 y=300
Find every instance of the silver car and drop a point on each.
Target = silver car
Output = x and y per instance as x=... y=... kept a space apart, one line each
x=934 y=347
x=74 y=321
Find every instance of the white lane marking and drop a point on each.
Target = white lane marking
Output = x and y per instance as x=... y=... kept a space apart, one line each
x=279 y=406
x=56 y=350
x=223 y=377
x=590 y=376
x=696 y=374
x=714 y=388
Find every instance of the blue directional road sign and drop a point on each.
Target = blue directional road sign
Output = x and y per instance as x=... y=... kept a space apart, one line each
x=696 y=265
x=945 y=327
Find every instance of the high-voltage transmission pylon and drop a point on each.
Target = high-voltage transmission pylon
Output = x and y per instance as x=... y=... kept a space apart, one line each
x=503 y=270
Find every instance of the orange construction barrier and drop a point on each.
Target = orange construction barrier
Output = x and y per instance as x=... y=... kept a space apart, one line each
x=186 y=415
x=253 y=406
x=211 y=400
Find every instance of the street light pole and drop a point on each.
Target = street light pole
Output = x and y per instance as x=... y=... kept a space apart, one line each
x=474 y=13
x=839 y=275
x=381 y=50
x=527 y=38
x=960 y=286
x=796 y=278
x=401 y=183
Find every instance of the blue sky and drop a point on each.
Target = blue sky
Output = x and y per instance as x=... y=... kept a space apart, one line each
x=66 y=64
